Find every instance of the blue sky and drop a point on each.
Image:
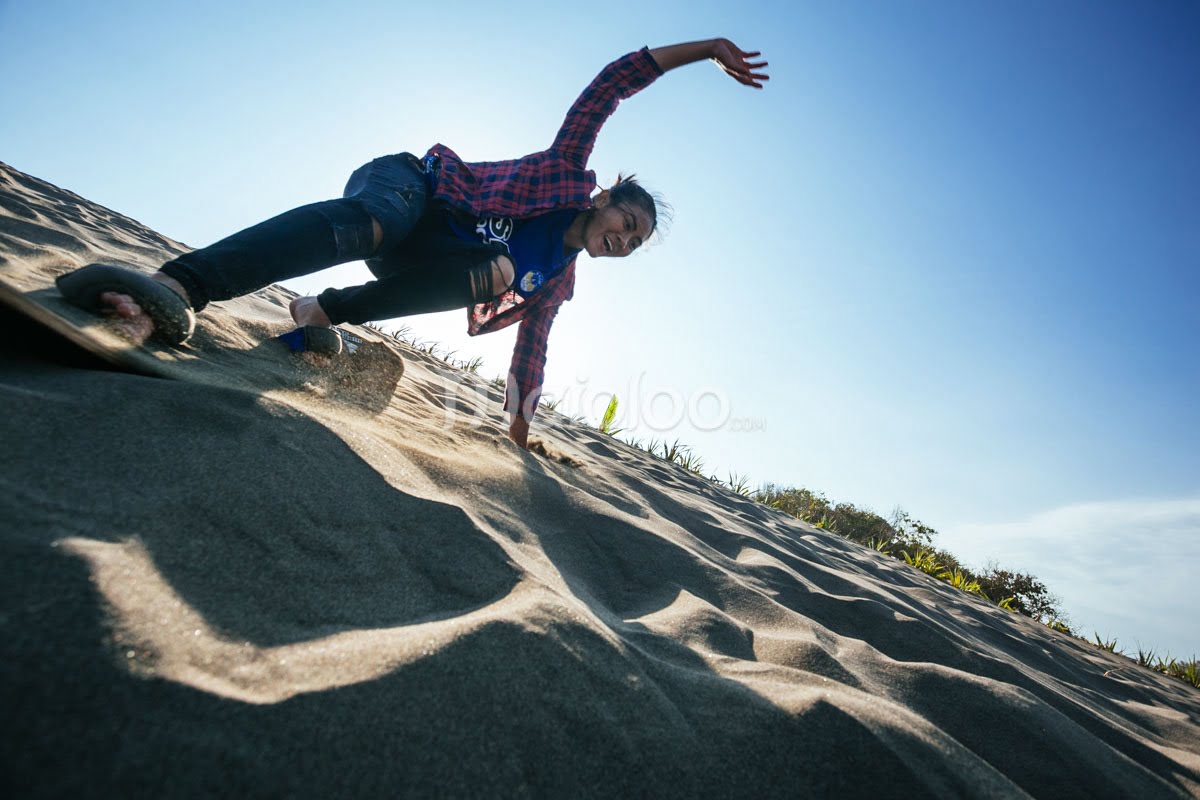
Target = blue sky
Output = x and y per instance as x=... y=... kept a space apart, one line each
x=949 y=259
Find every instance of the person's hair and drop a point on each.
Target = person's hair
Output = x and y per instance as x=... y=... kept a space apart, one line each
x=628 y=192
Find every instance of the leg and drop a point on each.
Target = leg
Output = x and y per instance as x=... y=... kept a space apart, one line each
x=295 y=243
x=382 y=202
x=380 y=205
x=414 y=292
x=503 y=272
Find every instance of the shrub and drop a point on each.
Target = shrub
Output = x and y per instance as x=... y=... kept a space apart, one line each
x=858 y=525
x=1029 y=595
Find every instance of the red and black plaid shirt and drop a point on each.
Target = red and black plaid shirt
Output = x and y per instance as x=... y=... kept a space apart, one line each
x=552 y=179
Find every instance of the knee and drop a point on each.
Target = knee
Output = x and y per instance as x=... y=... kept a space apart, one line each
x=376 y=235
x=490 y=279
x=356 y=233
x=503 y=272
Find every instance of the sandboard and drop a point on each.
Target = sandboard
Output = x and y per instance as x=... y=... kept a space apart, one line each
x=47 y=309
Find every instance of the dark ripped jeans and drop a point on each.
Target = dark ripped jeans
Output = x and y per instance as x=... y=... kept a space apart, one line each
x=394 y=191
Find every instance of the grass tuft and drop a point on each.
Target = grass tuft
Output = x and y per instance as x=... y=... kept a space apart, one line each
x=739 y=484
x=925 y=561
x=610 y=415
x=880 y=545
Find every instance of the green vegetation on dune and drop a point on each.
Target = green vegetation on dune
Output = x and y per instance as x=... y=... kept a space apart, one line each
x=909 y=540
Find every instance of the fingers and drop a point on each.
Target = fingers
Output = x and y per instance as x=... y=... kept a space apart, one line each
x=750 y=71
x=743 y=70
x=122 y=304
x=747 y=81
x=748 y=78
x=751 y=78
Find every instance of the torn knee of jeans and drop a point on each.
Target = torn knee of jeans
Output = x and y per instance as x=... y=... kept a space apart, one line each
x=353 y=242
x=491 y=279
x=353 y=228
x=503 y=273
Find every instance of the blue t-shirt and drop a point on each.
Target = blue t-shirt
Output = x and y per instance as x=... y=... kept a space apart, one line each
x=535 y=244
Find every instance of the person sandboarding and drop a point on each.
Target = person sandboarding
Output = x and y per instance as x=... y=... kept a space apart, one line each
x=497 y=238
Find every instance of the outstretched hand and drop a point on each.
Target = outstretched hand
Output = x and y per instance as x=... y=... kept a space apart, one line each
x=736 y=63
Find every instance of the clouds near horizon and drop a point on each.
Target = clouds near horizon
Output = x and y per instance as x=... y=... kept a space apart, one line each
x=1123 y=568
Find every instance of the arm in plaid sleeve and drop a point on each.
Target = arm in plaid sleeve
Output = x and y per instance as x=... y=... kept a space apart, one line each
x=528 y=368
x=623 y=78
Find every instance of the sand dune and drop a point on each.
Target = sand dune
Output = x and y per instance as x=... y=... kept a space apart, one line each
x=229 y=570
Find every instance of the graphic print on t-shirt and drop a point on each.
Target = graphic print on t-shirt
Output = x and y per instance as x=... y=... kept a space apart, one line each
x=499 y=230
x=495 y=229
x=535 y=244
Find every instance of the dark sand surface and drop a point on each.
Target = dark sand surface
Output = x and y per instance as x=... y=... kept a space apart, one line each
x=238 y=572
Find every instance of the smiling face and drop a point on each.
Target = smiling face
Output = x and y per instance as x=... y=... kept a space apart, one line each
x=613 y=229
